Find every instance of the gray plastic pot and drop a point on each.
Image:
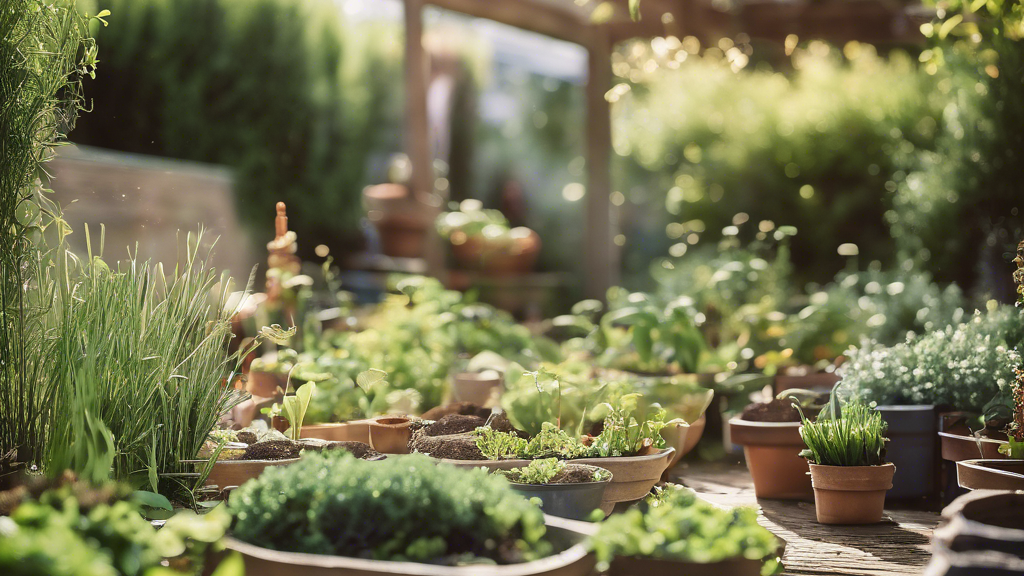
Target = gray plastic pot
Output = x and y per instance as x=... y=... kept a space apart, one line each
x=573 y=501
x=913 y=434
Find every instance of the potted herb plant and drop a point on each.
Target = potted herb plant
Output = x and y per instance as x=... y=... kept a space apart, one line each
x=565 y=489
x=770 y=435
x=846 y=452
x=674 y=532
x=333 y=514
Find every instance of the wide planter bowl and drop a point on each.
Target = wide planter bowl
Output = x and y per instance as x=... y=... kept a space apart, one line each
x=632 y=476
x=639 y=566
x=850 y=494
x=230 y=473
x=351 y=431
x=771 y=450
x=478 y=388
x=390 y=434
x=693 y=435
x=912 y=449
x=573 y=501
x=982 y=534
x=571 y=559
x=957 y=446
x=1002 y=474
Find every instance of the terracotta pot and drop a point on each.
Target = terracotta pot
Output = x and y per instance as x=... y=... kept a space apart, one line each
x=1002 y=474
x=570 y=559
x=351 y=431
x=401 y=220
x=517 y=257
x=850 y=494
x=265 y=384
x=982 y=534
x=230 y=473
x=390 y=434
x=638 y=566
x=480 y=388
x=632 y=476
x=960 y=445
x=771 y=450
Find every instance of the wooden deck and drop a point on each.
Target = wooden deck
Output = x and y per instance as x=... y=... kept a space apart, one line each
x=899 y=545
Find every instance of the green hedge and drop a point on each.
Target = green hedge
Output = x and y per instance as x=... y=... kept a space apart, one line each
x=278 y=90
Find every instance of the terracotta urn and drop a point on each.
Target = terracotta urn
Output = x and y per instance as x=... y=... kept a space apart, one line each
x=772 y=450
x=850 y=494
x=390 y=434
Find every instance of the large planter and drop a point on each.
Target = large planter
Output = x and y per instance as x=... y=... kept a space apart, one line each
x=230 y=473
x=390 y=434
x=351 y=431
x=573 y=501
x=982 y=534
x=512 y=257
x=632 y=476
x=990 y=474
x=638 y=566
x=912 y=448
x=771 y=450
x=478 y=388
x=850 y=494
x=957 y=442
x=571 y=559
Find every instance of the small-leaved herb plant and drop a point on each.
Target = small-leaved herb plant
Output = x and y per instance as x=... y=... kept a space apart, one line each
x=676 y=525
x=543 y=471
x=407 y=509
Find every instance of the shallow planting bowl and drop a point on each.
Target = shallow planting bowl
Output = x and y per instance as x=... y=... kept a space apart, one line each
x=986 y=474
x=958 y=446
x=570 y=559
x=632 y=476
x=229 y=473
x=351 y=431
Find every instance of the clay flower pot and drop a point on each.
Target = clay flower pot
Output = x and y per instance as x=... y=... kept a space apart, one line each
x=351 y=431
x=771 y=450
x=231 y=473
x=480 y=388
x=390 y=434
x=850 y=494
x=1002 y=474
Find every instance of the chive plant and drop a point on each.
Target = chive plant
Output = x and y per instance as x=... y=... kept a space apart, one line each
x=45 y=51
x=853 y=437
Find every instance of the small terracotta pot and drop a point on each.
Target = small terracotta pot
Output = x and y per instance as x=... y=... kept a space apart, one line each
x=480 y=388
x=351 y=431
x=390 y=434
x=850 y=494
x=771 y=450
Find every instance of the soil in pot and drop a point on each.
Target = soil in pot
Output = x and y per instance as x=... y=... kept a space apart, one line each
x=850 y=494
x=775 y=411
x=454 y=424
x=464 y=408
x=452 y=447
x=572 y=493
x=272 y=450
x=357 y=449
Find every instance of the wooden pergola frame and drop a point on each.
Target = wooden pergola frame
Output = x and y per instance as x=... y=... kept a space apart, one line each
x=876 y=21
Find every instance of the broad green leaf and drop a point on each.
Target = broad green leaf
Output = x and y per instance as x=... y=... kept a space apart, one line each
x=295 y=407
x=152 y=499
x=233 y=565
x=370 y=378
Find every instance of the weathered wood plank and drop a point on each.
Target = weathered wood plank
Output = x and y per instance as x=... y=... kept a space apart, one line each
x=899 y=545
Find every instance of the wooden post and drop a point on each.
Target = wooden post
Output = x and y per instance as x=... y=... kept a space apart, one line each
x=417 y=132
x=601 y=258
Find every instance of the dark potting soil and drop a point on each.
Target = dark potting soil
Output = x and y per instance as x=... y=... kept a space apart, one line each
x=501 y=423
x=246 y=437
x=272 y=450
x=453 y=447
x=357 y=449
x=777 y=411
x=463 y=408
x=574 y=474
x=454 y=424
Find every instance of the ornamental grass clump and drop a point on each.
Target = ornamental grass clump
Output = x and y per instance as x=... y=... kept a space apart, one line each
x=856 y=437
x=675 y=525
x=403 y=509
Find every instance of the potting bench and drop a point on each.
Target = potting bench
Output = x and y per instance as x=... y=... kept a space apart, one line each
x=899 y=545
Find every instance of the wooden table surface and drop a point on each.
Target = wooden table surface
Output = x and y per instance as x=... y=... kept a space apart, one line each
x=898 y=545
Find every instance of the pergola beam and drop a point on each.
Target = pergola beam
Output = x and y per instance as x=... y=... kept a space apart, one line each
x=524 y=14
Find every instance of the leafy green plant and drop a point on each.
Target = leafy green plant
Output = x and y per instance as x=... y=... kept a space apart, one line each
x=320 y=504
x=850 y=435
x=543 y=471
x=1015 y=447
x=676 y=525
x=662 y=338
x=495 y=445
x=294 y=408
x=626 y=431
x=78 y=531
